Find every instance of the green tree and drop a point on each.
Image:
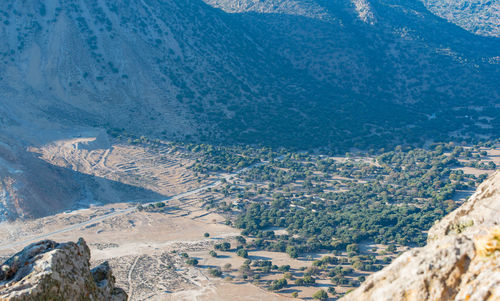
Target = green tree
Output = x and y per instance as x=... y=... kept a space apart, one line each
x=352 y=248
x=292 y=251
x=278 y=284
x=192 y=261
x=242 y=253
x=215 y=272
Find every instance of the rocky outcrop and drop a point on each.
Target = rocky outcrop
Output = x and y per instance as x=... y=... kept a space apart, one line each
x=48 y=270
x=460 y=262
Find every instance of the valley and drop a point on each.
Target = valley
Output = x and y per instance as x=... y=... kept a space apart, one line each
x=247 y=149
x=206 y=193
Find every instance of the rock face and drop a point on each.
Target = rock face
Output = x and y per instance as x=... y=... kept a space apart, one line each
x=57 y=271
x=460 y=262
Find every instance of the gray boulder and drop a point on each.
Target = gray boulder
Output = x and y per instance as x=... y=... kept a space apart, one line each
x=48 y=270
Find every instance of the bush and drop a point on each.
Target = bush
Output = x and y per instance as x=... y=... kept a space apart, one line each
x=245 y=271
x=391 y=248
x=284 y=268
x=306 y=281
x=227 y=267
x=354 y=248
x=242 y=253
x=320 y=295
x=215 y=272
x=358 y=265
x=225 y=246
x=292 y=251
x=241 y=240
x=192 y=261
x=278 y=284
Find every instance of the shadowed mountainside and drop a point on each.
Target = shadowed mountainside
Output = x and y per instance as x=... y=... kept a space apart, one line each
x=31 y=187
x=294 y=73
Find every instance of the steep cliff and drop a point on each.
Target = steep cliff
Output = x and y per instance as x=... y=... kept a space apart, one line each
x=460 y=262
x=57 y=271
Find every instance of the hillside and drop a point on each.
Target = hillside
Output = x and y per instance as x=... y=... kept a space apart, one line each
x=216 y=149
x=460 y=262
x=298 y=74
x=479 y=16
x=247 y=71
x=34 y=186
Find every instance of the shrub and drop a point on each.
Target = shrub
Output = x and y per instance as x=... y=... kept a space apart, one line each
x=320 y=295
x=192 y=261
x=215 y=272
x=227 y=267
x=225 y=246
x=242 y=253
x=278 y=284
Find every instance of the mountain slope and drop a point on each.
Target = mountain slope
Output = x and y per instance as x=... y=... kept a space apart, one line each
x=478 y=16
x=294 y=73
x=302 y=74
x=97 y=63
x=375 y=57
x=33 y=187
x=394 y=50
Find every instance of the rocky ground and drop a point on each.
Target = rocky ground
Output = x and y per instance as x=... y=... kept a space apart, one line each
x=143 y=249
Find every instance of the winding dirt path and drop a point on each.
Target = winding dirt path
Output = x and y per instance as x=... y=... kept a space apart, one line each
x=129 y=277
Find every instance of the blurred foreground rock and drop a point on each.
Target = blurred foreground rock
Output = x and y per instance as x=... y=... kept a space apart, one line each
x=48 y=270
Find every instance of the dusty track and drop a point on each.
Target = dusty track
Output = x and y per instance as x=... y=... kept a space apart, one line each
x=139 y=245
